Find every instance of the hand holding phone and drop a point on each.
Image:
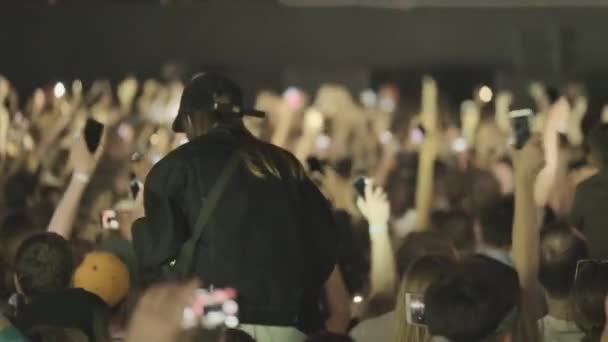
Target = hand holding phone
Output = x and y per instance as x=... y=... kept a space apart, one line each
x=521 y=121
x=211 y=309
x=81 y=158
x=359 y=186
x=109 y=219
x=374 y=204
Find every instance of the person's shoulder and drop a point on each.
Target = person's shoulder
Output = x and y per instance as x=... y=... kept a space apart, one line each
x=207 y=146
x=286 y=158
x=278 y=150
x=180 y=153
x=83 y=296
x=374 y=329
x=172 y=161
x=71 y=300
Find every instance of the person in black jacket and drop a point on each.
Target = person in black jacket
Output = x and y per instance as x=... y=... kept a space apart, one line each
x=271 y=236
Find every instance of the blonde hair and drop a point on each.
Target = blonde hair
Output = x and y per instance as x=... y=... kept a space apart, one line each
x=417 y=279
x=261 y=159
x=264 y=160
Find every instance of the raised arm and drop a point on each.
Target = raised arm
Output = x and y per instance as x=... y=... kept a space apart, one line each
x=376 y=209
x=428 y=153
x=526 y=227
x=83 y=164
x=557 y=116
x=424 y=181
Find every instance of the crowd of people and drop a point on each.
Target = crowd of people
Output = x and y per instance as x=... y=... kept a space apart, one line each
x=413 y=224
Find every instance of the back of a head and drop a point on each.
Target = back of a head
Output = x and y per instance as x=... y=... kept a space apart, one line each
x=496 y=221
x=473 y=303
x=588 y=298
x=44 y=264
x=418 y=244
x=420 y=275
x=457 y=226
x=56 y=334
x=484 y=188
x=560 y=249
x=598 y=144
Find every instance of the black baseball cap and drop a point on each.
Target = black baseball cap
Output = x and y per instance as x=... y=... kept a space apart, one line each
x=212 y=93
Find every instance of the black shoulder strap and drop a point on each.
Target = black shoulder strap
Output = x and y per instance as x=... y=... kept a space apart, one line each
x=183 y=263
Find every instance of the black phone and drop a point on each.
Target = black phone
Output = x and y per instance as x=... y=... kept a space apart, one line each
x=359 y=186
x=315 y=165
x=93 y=130
x=521 y=121
x=134 y=186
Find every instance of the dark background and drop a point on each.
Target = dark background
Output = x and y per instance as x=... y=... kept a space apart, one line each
x=263 y=43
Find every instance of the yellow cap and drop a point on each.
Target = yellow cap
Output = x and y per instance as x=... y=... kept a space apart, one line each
x=105 y=275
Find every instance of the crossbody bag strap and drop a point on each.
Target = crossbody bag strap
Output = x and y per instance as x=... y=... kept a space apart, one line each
x=183 y=263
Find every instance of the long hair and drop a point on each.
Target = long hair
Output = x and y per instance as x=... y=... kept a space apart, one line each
x=262 y=159
x=417 y=279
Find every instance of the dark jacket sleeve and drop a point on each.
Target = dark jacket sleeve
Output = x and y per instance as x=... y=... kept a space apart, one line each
x=158 y=236
x=320 y=232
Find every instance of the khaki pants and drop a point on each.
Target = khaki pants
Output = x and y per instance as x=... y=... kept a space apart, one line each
x=263 y=333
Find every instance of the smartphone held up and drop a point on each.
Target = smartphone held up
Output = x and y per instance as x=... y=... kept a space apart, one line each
x=109 y=219
x=521 y=121
x=359 y=185
x=212 y=309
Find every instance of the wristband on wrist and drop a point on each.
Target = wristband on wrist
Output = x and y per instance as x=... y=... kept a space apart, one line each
x=81 y=177
x=375 y=229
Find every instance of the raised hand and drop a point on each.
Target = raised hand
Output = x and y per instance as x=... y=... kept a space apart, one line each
x=159 y=312
x=529 y=160
x=470 y=118
x=82 y=160
x=579 y=110
x=502 y=104
x=126 y=92
x=429 y=116
x=375 y=206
